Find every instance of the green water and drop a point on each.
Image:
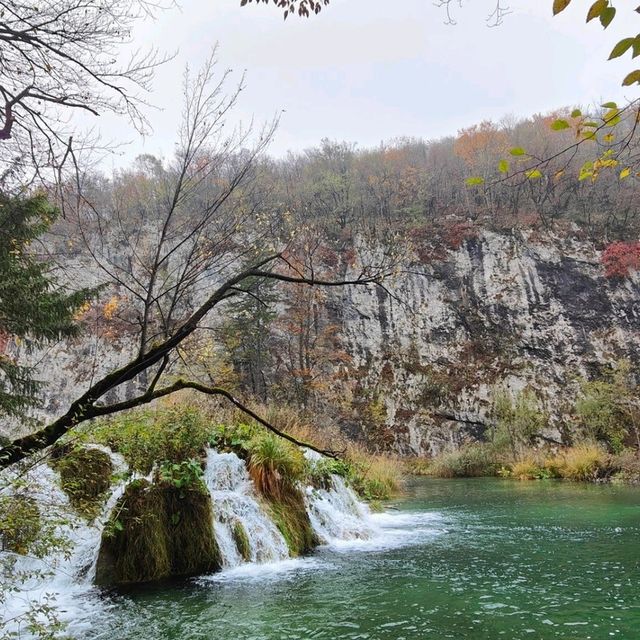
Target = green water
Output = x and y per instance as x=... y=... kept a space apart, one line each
x=463 y=559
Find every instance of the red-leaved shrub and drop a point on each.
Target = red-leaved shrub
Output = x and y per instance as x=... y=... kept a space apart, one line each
x=620 y=258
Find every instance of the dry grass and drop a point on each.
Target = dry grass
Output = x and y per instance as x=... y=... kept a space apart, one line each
x=584 y=462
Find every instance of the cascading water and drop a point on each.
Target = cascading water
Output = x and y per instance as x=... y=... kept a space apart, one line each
x=235 y=502
x=336 y=513
x=66 y=579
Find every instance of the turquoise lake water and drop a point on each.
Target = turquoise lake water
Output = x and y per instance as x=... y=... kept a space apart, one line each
x=463 y=559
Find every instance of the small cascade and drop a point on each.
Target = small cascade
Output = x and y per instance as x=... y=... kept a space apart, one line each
x=66 y=577
x=336 y=513
x=235 y=503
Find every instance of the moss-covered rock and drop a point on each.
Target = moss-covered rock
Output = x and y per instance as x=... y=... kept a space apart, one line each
x=276 y=467
x=290 y=516
x=241 y=539
x=85 y=476
x=158 y=531
x=192 y=546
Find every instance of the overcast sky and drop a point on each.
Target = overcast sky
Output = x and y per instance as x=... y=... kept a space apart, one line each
x=371 y=70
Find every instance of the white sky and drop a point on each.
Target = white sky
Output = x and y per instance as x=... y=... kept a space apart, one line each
x=369 y=70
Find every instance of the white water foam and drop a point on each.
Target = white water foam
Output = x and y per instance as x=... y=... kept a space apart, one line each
x=337 y=514
x=64 y=580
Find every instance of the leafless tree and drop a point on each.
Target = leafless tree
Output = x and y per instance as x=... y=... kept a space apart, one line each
x=176 y=242
x=59 y=58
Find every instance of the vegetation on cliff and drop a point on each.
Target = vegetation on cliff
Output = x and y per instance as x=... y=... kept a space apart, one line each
x=602 y=432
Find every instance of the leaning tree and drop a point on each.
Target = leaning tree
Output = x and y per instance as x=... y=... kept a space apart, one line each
x=174 y=243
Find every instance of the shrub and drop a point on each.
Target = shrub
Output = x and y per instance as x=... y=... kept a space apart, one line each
x=607 y=408
x=20 y=523
x=471 y=461
x=620 y=258
x=627 y=466
x=145 y=437
x=586 y=462
x=519 y=420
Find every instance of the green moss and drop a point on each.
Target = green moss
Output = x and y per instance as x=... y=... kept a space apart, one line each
x=192 y=546
x=20 y=523
x=85 y=476
x=134 y=545
x=290 y=516
x=158 y=531
x=242 y=541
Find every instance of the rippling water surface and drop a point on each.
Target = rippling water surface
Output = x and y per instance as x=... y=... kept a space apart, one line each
x=463 y=559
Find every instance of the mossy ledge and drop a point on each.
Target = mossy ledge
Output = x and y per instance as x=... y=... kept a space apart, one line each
x=85 y=476
x=158 y=531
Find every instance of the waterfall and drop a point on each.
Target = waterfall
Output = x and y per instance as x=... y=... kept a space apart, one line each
x=336 y=513
x=235 y=502
x=67 y=577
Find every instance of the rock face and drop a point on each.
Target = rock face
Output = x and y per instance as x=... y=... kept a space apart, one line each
x=504 y=310
x=512 y=310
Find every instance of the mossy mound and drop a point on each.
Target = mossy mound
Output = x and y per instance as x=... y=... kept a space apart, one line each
x=290 y=516
x=241 y=539
x=20 y=523
x=85 y=476
x=146 y=437
x=158 y=531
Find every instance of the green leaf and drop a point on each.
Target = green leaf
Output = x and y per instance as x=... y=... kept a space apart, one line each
x=625 y=173
x=533 y=174
x=590 y=124
x=622 y=47
x=632 y=78
x=609 y=105
x=560 y=5
x=517 y=151
x=587 y=167
x=474 y=181
x=596 y=9
x=559 y=125
x=576 y=113
x=503 y=166
x=612 y=117
x=607 y=16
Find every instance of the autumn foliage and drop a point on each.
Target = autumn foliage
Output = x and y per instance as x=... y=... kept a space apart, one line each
x=620 y=259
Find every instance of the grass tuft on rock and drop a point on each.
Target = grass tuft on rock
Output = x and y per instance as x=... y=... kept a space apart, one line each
x=275 y=465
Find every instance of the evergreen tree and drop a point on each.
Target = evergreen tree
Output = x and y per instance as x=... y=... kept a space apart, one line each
x=34 y=307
